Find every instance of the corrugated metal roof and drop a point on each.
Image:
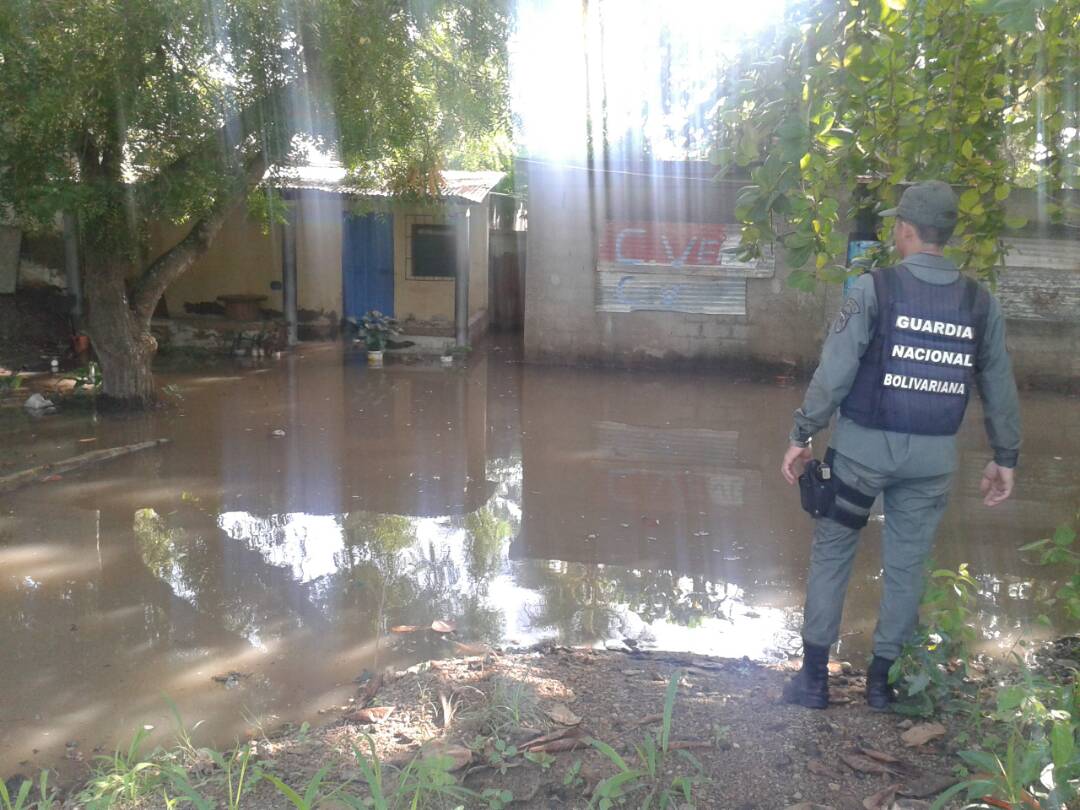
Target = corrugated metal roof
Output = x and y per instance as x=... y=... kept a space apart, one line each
x=332 y=177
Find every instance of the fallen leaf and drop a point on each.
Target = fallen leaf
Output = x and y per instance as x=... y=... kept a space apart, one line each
x=459 y=754
x=84 y=441
x=546 y=742
x=471 y=649
x=649 y=719
x=558 y=746
x=816 y=766
x=440 y=626
x=704 y=664
x=863 y=764
x=52 y=478
x=880 y=756
x=376 y=714
x=882 y=800
x=922 y=734
x=562 y=715
x=402 y=629
x=371 y=688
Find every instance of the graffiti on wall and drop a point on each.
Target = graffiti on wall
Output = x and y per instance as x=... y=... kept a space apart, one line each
x=689 y=267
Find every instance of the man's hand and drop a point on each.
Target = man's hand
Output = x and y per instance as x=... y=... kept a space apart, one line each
x=996 y=484
x=795 y=455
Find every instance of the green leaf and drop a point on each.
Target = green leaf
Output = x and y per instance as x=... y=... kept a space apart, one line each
x=1037 y=544
x=967 y=150
x=969 y=199
x=611 y=754
x=1062 y=744
x=895 y=5
x=1064 y=536
x=918 y=683
x=1015 y=222
x=981 y=760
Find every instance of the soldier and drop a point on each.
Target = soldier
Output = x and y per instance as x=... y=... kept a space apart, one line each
x=899 y=363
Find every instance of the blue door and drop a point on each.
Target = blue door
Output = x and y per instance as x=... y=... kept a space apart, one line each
x=367 y=264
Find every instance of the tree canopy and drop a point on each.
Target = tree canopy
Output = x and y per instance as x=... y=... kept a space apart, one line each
x=124 y=112
x=870 y=95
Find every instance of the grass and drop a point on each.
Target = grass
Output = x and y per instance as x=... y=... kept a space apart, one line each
x=652 y=781
x=195 y=778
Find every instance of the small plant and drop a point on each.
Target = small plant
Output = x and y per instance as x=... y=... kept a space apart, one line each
x=22 y=801
x=10 y=382
x=89 y=376
x=501 y=755
x=122 y=777
x=376 y=329
x=649 y=775
x=511 y=706
x=933 y=667
x=423 y=781
x=1060 y=550
x=312 y=796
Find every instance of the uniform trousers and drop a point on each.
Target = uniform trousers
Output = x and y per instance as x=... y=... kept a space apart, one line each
x=913 y=508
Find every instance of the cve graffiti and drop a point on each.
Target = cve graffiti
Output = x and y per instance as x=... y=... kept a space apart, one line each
x=669 y=244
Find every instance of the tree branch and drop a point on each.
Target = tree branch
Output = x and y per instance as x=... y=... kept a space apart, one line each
x=175 y=261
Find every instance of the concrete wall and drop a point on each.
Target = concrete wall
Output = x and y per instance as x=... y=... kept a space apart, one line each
x=567 y=211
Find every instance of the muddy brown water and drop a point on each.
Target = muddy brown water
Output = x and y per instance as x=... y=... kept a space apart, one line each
x=521 y=503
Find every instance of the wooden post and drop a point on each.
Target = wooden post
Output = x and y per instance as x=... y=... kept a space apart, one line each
x=288 y=273
x=461 y=279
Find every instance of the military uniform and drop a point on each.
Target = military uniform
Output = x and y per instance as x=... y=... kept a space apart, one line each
x=913 y=471
x=898 y=377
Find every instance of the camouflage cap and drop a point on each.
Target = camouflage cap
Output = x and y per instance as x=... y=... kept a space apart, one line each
x=932 y=203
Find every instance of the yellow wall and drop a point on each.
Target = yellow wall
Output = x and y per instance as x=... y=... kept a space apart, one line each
x=423 y=299
x=318 y=250
x=432 y=299
x=241 y=259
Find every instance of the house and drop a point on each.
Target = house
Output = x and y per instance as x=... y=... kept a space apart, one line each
x=344 y=252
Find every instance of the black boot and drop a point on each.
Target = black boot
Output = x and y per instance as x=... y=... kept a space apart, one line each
x=809 y=686
x=880 y=695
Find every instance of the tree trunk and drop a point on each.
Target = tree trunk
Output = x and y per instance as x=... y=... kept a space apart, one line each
x=122 y=341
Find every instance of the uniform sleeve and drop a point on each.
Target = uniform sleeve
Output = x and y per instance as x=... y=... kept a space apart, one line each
x=997 y=388
x=848 y=338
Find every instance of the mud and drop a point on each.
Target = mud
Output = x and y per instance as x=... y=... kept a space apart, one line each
x=307 y=506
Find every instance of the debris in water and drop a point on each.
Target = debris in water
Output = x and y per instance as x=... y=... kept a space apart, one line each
x=231 y=679
x=38 y=404
x=277 y=433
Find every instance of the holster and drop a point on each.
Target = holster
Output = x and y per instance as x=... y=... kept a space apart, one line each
x=816 y=489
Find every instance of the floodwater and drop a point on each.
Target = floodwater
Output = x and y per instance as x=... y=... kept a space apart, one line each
x=520 y=503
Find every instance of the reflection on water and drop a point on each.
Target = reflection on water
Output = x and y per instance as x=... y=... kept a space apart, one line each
x=519 y=503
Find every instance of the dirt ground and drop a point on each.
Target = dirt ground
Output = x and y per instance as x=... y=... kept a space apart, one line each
x=755 y=752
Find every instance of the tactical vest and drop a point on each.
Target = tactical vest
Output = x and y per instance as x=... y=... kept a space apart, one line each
x=916 y=374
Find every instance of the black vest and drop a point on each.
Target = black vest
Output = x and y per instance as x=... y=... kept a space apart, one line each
x=917 y=372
